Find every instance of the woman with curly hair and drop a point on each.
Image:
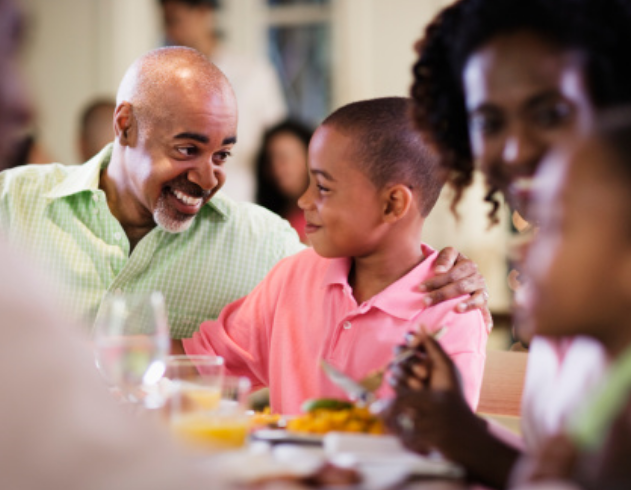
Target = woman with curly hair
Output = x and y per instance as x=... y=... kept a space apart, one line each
x=497 y=85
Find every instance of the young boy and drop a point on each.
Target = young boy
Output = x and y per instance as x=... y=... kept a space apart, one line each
x=351 y=298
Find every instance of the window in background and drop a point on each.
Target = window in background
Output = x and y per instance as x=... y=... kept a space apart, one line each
x=299 y=43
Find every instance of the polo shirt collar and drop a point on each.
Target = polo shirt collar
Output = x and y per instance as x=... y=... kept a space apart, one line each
x=87 y=177
x=402 y=299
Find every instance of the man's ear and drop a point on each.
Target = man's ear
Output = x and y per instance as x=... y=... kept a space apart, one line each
x=398 y=199
x=125 y=124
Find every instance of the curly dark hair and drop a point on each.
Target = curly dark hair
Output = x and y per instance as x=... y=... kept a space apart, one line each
x=268 y=194
x=598 y=29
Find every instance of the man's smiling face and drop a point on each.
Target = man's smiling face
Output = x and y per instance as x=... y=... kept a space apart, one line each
x=178 y=162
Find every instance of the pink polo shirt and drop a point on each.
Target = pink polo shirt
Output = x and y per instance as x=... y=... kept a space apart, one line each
x=304 y=311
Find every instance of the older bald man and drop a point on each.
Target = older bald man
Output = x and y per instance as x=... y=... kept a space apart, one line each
x=145 y=213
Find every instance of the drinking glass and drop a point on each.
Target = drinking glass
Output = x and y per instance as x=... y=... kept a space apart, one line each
x=131 y=343
x=194 y=380
x=220 y=427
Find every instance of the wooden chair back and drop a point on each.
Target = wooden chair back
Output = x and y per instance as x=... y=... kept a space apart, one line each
x=503 y=383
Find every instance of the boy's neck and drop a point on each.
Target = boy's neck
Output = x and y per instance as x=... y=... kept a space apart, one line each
x=372 y=274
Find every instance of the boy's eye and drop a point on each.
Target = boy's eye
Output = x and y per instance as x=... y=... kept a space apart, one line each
x=322 y=188
x=187 y=151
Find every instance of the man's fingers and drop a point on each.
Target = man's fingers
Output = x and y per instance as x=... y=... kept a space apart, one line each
x=445 y=260
x=458 y=272
x=479 y=300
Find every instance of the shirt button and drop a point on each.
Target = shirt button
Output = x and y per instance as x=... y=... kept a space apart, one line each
x=95 y=210
x=95 y=196
x=118 y=291
x=347 y=325
x=117 y=236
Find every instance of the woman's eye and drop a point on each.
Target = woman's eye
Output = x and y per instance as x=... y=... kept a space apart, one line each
x=553 y=115
x=187 y=150
x=485 y=124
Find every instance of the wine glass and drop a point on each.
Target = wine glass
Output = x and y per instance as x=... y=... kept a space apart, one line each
x=131 y=343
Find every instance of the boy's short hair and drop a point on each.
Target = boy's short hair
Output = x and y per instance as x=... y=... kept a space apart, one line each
x=388 y=147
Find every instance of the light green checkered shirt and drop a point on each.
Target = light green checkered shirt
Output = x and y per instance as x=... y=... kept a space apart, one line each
x=59 y=215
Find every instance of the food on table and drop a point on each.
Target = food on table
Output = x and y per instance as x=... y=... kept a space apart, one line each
x=266 y=418
x=325 y=403
x=328 y=415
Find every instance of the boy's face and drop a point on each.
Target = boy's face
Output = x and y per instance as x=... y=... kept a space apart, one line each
x=580 y=260
x=342 y=206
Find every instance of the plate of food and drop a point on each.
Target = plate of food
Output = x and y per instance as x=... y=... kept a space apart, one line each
x=320 y=417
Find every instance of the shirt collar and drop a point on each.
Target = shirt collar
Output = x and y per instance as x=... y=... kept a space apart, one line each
x=84 y=178
x=402 y=299
x=87 y=177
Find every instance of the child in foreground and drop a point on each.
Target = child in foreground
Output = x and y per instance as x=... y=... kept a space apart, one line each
x=579 y=266
x=351 y=298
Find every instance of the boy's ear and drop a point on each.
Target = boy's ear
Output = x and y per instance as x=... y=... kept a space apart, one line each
x=398 y=199
x=125 y=125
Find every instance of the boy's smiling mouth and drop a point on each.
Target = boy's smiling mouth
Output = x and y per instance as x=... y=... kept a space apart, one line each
x=311 y=228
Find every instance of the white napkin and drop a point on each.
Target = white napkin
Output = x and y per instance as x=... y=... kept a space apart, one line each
x=382 y=460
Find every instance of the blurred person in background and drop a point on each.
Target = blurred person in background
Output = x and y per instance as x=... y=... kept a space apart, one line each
x=498 y=85
x=96 y=127
x=60 y=427
x=281 y=172
x=259 y=93
x=26 y=150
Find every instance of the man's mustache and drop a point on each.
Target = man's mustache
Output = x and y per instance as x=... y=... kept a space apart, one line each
x=184 y=185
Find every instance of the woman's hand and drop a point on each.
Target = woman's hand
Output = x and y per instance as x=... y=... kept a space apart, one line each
x=456 y=275
x=429 y=412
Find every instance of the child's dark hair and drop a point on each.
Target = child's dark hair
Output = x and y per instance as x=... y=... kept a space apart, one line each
x=598 y=29
x=268 y=194
x=389 y=148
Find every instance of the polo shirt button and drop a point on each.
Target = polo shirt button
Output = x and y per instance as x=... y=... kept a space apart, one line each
x=347 y=325
x=117 y=236
x=95 y=196
x=95 y=210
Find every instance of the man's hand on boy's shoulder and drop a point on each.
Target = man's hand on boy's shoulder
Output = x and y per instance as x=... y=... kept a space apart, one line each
x=457 y=275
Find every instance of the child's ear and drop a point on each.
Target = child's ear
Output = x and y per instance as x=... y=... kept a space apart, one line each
x=125 y=126
x=398 y=199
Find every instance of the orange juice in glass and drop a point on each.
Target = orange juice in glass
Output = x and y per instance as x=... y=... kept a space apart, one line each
x=223 y=426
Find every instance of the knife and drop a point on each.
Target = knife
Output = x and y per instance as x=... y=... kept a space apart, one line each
x=352 y=388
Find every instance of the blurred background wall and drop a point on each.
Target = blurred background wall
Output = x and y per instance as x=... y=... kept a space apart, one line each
x=327 y=53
